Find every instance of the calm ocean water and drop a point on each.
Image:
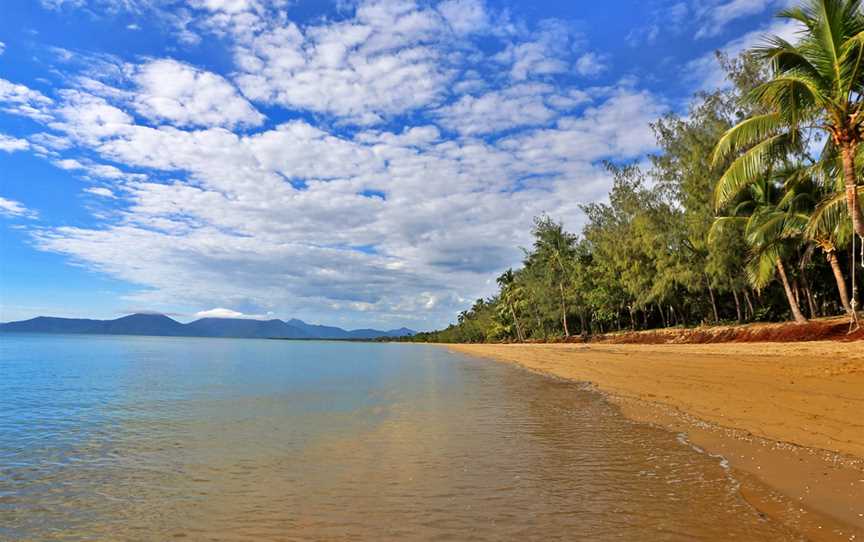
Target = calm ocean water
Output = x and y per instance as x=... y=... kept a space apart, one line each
x=153 y=438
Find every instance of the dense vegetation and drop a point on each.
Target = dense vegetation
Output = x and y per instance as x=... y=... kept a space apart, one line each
x=747 y=213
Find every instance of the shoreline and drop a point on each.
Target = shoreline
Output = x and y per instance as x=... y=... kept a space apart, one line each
x=785 y=416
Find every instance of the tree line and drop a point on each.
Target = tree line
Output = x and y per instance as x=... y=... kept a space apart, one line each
x=749 y=211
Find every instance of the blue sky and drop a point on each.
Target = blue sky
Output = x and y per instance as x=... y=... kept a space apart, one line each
x=357 y=163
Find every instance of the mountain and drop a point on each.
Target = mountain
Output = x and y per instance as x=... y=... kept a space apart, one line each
x=235 y=327
x=322 y=332
x=161 y=325
x=374 y=333
x=144 y=324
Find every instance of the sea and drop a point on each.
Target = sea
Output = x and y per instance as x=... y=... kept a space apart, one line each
x=127 y=438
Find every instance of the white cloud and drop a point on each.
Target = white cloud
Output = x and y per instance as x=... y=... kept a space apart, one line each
x=18 y=99
x=618 y=127
x=379 y=63
x=15 y=209
x=448 y=211
x=717 y=17
x=2 y=47
x=228 y=313
x=318 y=216
x=172 y=91
x=464 y=16
x=103 y=171
x=111 y=6
x=391 y=57
x=12 y=144
x=705 y=71
x=227 y=6
x=101 y=192
x=519 y=105
x=542 y=56
x=590 y=64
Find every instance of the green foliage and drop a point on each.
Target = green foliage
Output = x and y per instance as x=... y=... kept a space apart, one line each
x=723 y=223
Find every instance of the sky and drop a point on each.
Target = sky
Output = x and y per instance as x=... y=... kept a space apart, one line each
x=368 y=163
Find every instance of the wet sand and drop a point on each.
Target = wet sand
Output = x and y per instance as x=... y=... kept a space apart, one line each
x=789 y=417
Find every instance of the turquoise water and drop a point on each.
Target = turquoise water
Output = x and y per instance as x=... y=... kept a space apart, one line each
x=154 y=438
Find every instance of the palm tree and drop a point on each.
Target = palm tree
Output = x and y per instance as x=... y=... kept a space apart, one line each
x=826 y=224
x=769 y=230
x=510 y=297
x=817 y=84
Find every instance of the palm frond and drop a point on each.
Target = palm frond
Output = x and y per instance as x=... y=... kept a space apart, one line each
x=798 y=14
x=746 y=133
x=721 y=223
x=761 y=267
x=792 y=95
x=831 y=219
x=747 y=168
x=786 y=58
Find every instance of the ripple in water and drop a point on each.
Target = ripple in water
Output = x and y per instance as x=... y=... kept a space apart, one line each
x=123 y=438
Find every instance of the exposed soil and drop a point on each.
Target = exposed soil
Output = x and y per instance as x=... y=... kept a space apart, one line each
x=822 y=329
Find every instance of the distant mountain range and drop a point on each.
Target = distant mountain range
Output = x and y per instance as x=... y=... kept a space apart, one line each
x=161 y=325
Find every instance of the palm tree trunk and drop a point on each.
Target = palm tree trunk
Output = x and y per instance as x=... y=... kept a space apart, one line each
x=811 y=301
x=539 y=323
x=516 y=321
x=713 y=301
x=749 y=304
x=841 y=282
x=737 y=305
x=793 y=303
x=852 y=204
x=808 y=293
x=564 y=310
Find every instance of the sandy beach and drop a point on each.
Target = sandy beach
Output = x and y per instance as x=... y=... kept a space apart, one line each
x=789 y=417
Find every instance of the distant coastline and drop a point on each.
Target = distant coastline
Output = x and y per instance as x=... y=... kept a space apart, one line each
x=159 y=325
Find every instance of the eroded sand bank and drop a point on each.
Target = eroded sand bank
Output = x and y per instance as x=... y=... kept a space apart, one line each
x=788 y=416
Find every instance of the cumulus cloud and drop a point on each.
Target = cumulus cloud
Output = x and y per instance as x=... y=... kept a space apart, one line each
x=542 y=56
x=91 y=169
x=340 y=211
x=590 y=64
x=182 y=95
x=18 y=99
x=706 y=73
x=718 y=16
x=12 y=144
x=464 y=16
x=382 y=61
x=101 y=192
x=495 y=111
x=220 y=312
x=15 y=209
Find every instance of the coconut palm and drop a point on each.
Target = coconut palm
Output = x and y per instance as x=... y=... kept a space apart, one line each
x=511 y=296
x=817 y=84
x=769 y=230
x=828 y=226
